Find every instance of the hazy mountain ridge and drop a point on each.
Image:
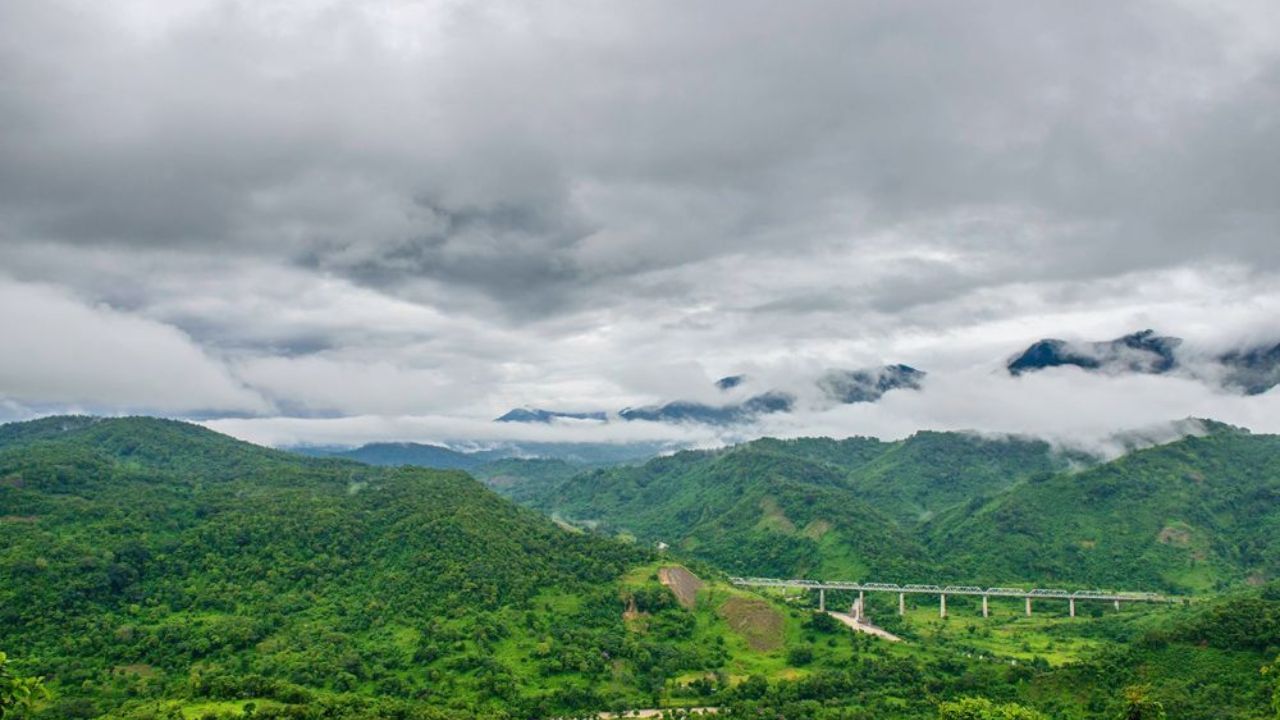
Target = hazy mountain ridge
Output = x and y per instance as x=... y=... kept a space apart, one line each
x=1249 y=370
x=837 y=386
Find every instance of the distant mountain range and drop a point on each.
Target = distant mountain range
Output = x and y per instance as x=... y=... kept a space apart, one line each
x=439 y=457
x=1250 y=370
x=682 y=411
x=536 y=415
x=836 y=386
x=1140 y=352
x=869 y=384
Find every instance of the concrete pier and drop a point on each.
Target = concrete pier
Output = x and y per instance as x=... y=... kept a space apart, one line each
x=902 y=603
x=985 y=611
x=822 y=600
x=1028 y=606
x=862 y=606
x=1071 y=605
x=942 y=607
x=1117 y=604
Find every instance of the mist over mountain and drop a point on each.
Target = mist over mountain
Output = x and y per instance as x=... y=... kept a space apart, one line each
x=460 y=360
x=839 y=386
x=1251 y=370
x=1139 y=352
x=545 y=416
x=684 y=411
x=869 y=384
x=730 y=382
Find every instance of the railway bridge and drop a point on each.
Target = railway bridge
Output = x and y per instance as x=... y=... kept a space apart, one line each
x=1071 y=596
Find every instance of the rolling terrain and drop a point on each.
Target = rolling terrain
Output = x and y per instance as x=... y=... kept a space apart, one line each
x=1197 y=514
x=811 y=506
x=154 y=569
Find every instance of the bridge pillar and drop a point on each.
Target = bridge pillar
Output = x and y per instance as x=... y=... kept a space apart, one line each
x=1028 y=606
x=1117 y=604
x=902 y=603
x=942 y=606
x=1071 y=605
x=985 y=611
x=822 y=600
x=862 y=606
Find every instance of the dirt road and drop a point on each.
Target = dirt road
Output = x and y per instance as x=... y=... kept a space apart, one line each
x=864 y=627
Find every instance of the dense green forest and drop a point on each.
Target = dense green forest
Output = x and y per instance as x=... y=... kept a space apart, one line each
x=1191 y=515
x=908 y=480
x=1197 y=514
x=155 y=569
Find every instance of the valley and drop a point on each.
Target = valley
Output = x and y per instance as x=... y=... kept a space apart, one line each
x=154 y=569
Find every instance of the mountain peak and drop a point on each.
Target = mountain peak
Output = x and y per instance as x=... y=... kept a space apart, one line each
x=1140 y=352
x=869 y=384
x=538 y=415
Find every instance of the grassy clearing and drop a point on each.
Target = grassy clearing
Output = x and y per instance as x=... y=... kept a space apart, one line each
x=222 y=708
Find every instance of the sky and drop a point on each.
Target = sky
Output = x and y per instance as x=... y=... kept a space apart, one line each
x=324 y=221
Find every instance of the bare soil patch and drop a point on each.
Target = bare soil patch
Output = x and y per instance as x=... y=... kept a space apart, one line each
x=753 y=619
x=1173 y=535
x=684 y=584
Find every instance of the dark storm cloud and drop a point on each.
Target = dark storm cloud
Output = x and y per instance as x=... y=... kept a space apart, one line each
x=533 y=152
x=376 y=207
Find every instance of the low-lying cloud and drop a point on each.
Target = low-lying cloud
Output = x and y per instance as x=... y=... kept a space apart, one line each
x=309 y=218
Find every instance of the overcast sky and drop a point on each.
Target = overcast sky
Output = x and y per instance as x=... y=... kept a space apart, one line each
x=335 y=221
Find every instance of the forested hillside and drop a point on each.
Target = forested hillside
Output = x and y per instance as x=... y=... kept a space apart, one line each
x=153 y=569
x=1197 y=514
x=746 y=509
x=811 y=506
x=148 y=556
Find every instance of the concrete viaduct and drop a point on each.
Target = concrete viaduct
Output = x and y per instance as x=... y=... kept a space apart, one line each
x=943 y=591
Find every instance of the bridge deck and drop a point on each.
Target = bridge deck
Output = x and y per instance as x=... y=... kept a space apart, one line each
x=953 y=590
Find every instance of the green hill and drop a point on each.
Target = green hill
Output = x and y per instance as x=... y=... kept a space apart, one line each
x=747 y=509
x=1198 y=514
x=140 y=553
x=811 y=506
x=523 y=479
x=154 y=570
x=1192 y=515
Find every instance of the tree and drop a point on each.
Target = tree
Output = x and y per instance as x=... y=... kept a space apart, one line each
x=1138 y=706
x=18 y=695
x=984 y=709
x=1274 y=671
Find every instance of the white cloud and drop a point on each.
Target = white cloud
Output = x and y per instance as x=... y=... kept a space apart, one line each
x=441 y=209
x=59 y=350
